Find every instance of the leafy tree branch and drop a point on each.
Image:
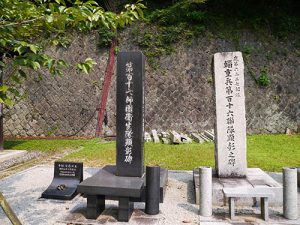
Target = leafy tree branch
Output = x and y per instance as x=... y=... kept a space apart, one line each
x=22 y=22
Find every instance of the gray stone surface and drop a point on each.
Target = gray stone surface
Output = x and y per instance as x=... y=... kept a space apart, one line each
x=230 y=114
x=179 y=93
x=23 y=192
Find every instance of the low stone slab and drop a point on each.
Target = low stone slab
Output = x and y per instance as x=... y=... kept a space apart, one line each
x=11 y=154
x=155 y=136
x=209 y=134
x=165 y=137
x=204 y=137
x=197 y=138
x=105 y=182
x=185 y=139
x=166 y=140
x=164 y=134
x=175 y=137
x=148 y=137
x=247 y=192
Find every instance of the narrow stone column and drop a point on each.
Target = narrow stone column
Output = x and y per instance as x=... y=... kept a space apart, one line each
x=290 y=210
x=152 y=190
x=205 y=189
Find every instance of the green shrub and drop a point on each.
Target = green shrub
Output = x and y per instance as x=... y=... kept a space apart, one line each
x=263 y=79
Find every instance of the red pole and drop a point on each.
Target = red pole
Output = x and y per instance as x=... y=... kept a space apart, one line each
x=105 y=87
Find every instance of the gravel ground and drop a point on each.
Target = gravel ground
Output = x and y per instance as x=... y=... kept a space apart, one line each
x=23 y=191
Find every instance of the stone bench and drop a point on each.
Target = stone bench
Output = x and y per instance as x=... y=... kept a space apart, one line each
x=262 y=193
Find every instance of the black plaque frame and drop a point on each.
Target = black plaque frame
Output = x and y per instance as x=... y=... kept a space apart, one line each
x=67 y=175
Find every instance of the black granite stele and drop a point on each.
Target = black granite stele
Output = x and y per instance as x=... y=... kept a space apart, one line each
x=67 y=175
x=125 y=182
x=136 y=167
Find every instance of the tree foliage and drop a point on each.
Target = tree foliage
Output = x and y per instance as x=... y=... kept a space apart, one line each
x=22 y=22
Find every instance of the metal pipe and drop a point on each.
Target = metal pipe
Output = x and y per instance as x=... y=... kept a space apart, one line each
x=152 y=190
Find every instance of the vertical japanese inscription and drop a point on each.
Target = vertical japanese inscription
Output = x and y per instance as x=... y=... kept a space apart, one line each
x=130 y=114
x=230 y=115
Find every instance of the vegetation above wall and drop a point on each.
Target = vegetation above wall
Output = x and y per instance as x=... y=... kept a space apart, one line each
x=172 y=22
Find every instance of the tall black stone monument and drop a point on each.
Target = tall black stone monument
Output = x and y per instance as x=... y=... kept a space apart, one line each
x=124 y=182
x=130 y=114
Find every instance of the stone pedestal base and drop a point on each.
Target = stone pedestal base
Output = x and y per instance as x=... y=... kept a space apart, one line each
x=127 y=190
x=256 y=178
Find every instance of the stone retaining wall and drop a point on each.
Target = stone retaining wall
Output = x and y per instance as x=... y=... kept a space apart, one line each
x=179 y=94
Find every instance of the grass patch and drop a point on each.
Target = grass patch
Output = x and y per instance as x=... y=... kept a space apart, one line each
x=47 y=146
x=268 y=152
x=272 y=152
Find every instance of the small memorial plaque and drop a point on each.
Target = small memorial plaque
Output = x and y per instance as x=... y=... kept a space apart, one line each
x=230 y=114
x=130 y=114
x=67 y=175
